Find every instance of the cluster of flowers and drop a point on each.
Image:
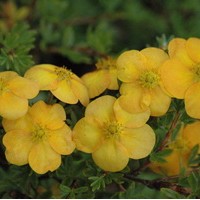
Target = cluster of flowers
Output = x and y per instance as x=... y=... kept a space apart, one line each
x=113 y=129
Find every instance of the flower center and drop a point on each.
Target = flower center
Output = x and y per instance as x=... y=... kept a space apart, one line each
x=196 y=71
x=113 y=129
x=106 y=63
x=2 y=86
x=149 y=79
x=63 y=74
x=38 y=132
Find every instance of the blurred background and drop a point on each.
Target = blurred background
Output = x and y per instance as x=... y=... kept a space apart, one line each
x=75 y=33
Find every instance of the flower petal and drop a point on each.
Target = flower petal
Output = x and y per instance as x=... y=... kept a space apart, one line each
x=65 y=93
x=193 y=49
x=43 y=158
x=12 y=106
x=155 y=56
x=160 y=102
x=176 y=77
x=134 y=98
x=18 y=144
x=52 y=116
x=129 y=65
x=43 y=75
x=23 y=87
x=96 y=82
x=61 y=140
x=87 y=135
x=177 y=49
x=130 y=120
x=139 y=142
x=8 y=75
x=111 y=156
x=101 y=109
x=191 y=134
x=192 y=103
x=173 y=165
x=23 y=123
x=80 y=91
x=113 y=85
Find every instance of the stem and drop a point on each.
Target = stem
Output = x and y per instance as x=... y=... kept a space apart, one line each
x=168 y=134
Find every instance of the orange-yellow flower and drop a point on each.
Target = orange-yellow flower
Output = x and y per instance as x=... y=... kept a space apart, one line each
x=62 y=83
x=113 y=135
x=38 y=138
x=181 y=73
x=188 y=137
x=104 y=77
x=14 y=94
x=141 y=82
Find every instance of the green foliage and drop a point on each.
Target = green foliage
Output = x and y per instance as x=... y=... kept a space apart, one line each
x=15 y=47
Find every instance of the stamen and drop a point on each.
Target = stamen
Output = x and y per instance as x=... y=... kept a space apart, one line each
x=63 y=73
x=113 y=129
x=196 y=71
x=38 y=133
x=149 y=79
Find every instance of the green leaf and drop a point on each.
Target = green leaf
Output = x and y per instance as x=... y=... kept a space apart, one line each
x=97 y=182
x=160 y=156
x=194 y=182
x=100 y=38
x=171 y=194
x=194 y=158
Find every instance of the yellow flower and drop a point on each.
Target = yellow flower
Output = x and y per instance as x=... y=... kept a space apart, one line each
x=38 y=138
x=104 y=77
x=14 y=94
x=191 y=134
x=188 y=137
x=141 y=82
x=181 y=73
x=62 y=83
x=113 y=135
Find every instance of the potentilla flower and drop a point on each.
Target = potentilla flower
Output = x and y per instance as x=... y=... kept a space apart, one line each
x=62 y=83
x=104 y=77
x=142 y=86
x=181 y=73
x=14 y=94
x=38 y=138
x=113 y=135
x=187 y=138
